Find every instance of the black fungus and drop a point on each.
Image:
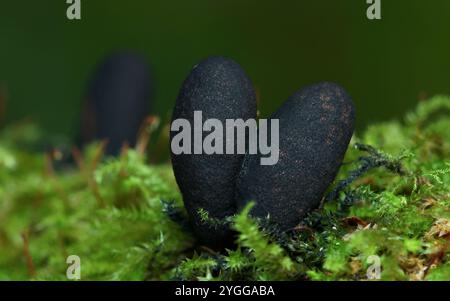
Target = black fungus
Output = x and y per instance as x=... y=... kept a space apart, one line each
x=118 y=100
x=220 y=89
x=315 y=127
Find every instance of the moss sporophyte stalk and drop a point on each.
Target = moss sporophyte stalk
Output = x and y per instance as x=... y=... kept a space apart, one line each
x=386 y=216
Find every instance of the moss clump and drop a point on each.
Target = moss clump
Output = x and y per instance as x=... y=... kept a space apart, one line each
x=124 y=218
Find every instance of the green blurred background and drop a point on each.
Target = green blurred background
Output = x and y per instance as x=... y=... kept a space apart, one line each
x=387 y=65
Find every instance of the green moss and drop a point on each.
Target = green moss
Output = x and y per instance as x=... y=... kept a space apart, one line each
x=124 y=218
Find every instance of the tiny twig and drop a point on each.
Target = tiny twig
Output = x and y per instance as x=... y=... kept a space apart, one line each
x=99 y=154
x=26 y=253
x=92 y=184
x=149 y=125
x=78 y=157
x=49 y=169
